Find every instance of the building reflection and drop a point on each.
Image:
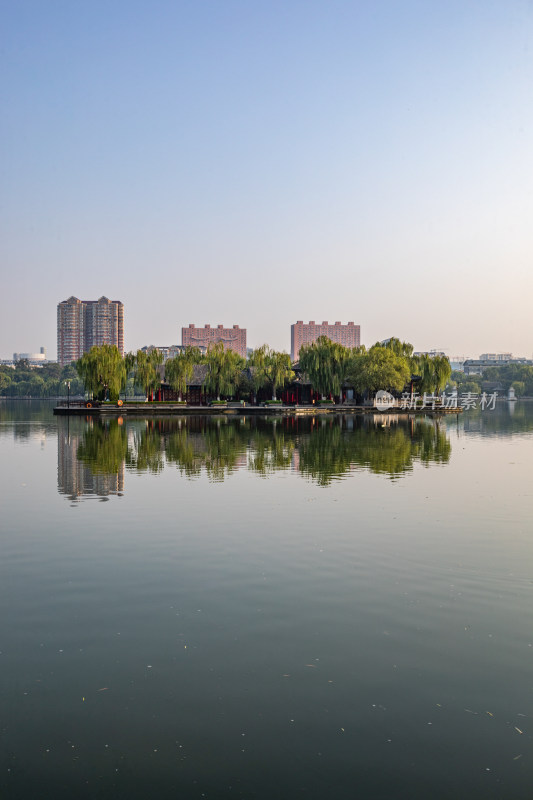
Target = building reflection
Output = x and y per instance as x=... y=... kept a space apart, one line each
x=79 y=475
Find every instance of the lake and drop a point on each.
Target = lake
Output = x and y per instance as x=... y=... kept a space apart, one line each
x=266 y=608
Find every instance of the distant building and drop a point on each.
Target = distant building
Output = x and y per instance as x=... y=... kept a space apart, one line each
x=431 y=353
x=33 y=358
x=233 y=338
x=496 y=357
x=169 y=351
x=477 y=366
x=457 y=363
x=306 y=333
x=82 y=324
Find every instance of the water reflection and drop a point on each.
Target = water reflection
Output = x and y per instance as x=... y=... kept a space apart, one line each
x=94 y=455
x=506 y=420
x=23 y=420
x=90 y=459
x=386 y=445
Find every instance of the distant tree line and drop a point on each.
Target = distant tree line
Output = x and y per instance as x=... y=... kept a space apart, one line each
x=519 y=376
x=327 y=366
x=46 y=380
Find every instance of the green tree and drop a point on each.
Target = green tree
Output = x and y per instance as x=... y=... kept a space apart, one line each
x=325 y=363
x=474 y=387
x=404 y=349
x=378 y=368
x=102 y=371
x=224 y=368
x=435 y=372
x=258 y=366
x=519 y=388
x=5 y=381
x=442 y=371
x=179 y=370
x=37 y=386
x=146 y=370
x=278 y=370
x=129 y=365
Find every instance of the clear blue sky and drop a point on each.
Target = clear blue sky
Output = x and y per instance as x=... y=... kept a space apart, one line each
x=262 y=162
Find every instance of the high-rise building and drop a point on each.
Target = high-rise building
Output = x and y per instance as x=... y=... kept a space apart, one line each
x=81 y=324
x=305 y=333
x=233 y=338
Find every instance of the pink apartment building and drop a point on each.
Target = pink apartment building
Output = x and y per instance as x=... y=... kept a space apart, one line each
x=305 y=333
x=233 y=338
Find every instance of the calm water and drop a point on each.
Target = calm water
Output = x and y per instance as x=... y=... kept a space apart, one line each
x=266 y=609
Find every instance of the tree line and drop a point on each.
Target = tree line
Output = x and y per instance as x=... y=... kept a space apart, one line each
x=105 y=374
x=46 y=380
x=390 y=366
x=519 y=376
x=327 y=366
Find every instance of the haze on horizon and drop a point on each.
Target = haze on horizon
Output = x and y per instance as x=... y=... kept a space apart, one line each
x=234 y=162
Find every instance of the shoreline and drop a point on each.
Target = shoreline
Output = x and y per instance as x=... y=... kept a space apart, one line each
x=154 y=410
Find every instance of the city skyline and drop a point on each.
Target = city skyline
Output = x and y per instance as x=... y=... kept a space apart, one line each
x=201 y=336
x=267 y=164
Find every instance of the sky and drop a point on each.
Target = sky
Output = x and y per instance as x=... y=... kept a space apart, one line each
x=258 y=163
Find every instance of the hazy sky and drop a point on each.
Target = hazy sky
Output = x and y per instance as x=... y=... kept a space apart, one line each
x=258 y=163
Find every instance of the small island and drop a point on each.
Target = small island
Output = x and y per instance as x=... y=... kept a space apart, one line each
x=327 y=378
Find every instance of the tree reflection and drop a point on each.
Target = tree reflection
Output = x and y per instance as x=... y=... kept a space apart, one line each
x=146 y=455
x=104 y=448
x=505 y=420
x=271 y=449
x=320 y=448
x=383 y=444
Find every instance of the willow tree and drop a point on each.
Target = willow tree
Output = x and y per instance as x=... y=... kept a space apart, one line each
x=278 y=370
x=435 y=372
x=146 y=370
x=179 y=370
x=224 y=370
x=258 y=365
x=442 y=371
x=325 y=363
x=102 y=371
x=405 y=350
x=129 y=364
